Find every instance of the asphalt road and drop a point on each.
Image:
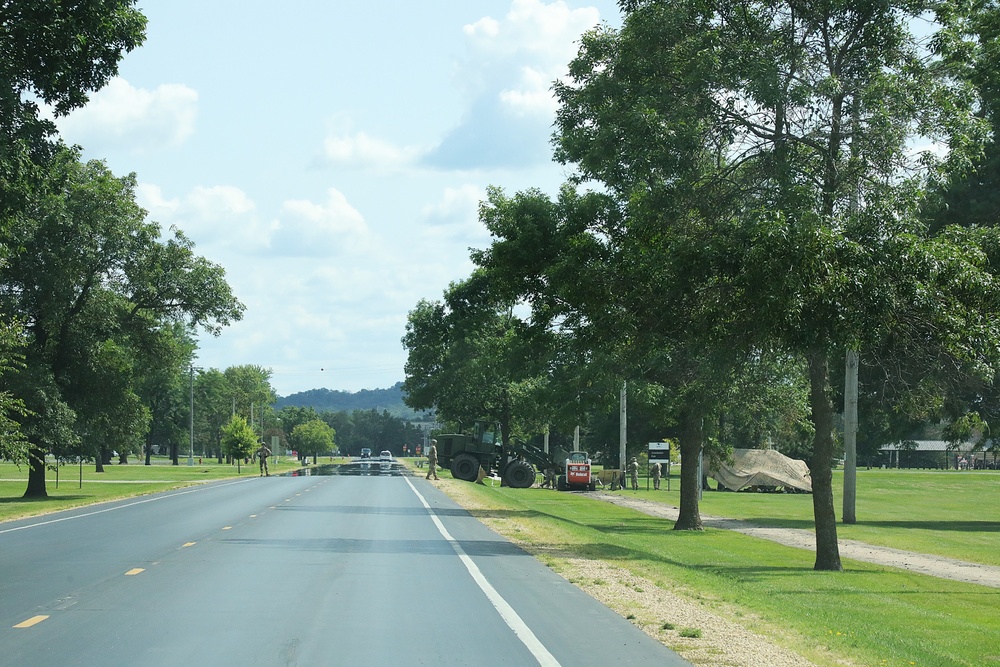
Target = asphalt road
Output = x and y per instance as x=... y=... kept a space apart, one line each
x=293 y=571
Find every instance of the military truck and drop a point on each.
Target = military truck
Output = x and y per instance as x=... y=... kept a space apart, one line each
x=465 y=453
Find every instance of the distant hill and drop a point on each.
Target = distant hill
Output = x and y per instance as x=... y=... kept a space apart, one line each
x=333 y=400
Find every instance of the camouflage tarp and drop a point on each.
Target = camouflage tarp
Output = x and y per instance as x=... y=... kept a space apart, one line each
x=762 y=467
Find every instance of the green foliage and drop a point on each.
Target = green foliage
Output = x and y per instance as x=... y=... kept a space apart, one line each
x=57 y=53
x=99 y=290
x=13 y=445
x=764 y=152
x=470 y=357
x=313 y=437
x=238 y=438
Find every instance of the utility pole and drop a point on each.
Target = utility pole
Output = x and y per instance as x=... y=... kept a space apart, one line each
x=191 y=451
x=622 y=426
x=851 y=436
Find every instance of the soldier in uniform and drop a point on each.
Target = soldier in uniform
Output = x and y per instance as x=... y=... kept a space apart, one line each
x=262 y=454
x=432 y=460
x=657 y=470
x=633 y=473
x=550 y=477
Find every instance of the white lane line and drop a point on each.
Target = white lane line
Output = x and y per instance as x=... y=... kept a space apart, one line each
x=507 y=613
x=119 y=507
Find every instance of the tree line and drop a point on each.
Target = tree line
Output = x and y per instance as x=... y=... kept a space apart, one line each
x=756 y=189
x=351 y=431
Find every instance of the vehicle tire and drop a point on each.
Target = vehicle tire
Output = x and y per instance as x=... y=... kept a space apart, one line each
x=592 y=486
x=561 y=483
x=465 y=467
x=519 y=475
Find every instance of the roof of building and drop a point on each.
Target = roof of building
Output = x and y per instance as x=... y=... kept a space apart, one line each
x=928 y=446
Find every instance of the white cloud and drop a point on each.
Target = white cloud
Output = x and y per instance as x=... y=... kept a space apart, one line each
x=363 y=150
x=455 y=217
x=533 y=97
x=151 y=198
x=220 y=214
x=344 y=146
x=120 y=116
x=548 y=30
x=508 y=75
x=219 y=202
x=460 y=202
x=307 y=228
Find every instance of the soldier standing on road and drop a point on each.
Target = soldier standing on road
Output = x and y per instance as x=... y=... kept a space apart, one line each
x=262 y=454
x=657 y=471
x=633 y=473
x=432 y=460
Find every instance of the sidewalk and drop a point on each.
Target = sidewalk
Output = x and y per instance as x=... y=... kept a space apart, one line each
x=934 y=566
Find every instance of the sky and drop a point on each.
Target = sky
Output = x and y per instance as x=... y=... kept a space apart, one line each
x=331 y=156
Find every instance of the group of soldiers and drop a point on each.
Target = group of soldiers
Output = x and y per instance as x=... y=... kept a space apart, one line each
x=655 y=471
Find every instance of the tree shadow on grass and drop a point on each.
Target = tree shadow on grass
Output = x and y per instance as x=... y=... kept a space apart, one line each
x=45 y=499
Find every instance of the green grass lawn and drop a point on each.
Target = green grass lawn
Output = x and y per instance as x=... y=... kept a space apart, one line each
x=947 y=513
x=868 y=615
x=117 y=481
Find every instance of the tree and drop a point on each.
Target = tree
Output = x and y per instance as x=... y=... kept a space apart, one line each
x=618 y=310
x=470 y=357
x=93 y=282
x=13 y=445
x=57 y=53
x=165 y=385
x=213 y=407
x=250 y=390
x=238 y=439
x=767 y=147
x=313 y=437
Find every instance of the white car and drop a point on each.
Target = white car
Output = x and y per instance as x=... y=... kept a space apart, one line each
x=386 y=455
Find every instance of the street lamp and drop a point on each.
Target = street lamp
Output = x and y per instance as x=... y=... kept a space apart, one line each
x=191 y=451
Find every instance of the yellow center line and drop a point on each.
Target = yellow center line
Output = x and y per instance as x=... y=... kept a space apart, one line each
x=190 y=544
x=34 y=620
x=227 y=528
x=253 y=516
x=134 y=571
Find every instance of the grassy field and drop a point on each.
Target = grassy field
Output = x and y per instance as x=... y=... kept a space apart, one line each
x=118 y=481
x=866 y=615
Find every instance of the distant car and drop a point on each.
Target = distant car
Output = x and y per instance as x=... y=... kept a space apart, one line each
x=366 y=453
x=386 y=455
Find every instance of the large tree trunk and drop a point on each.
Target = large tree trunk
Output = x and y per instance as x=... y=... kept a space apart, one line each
x=689 y=516
x=821 y=465
x=36 y=474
